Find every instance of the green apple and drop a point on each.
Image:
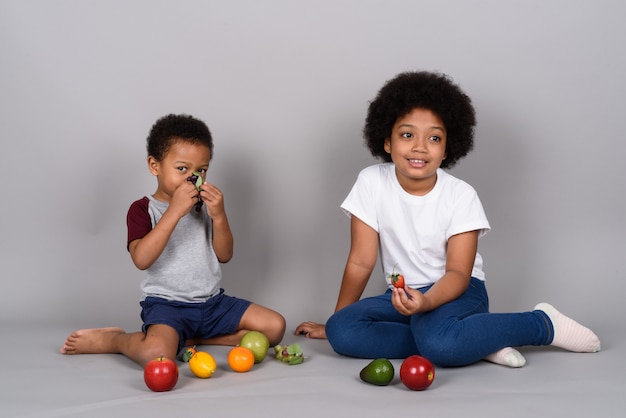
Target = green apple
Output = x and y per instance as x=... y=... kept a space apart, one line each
x=257 y=342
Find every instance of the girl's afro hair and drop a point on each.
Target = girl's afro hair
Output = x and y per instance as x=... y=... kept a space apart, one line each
x=428 y=90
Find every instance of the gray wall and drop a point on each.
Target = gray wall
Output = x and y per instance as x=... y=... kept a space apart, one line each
x=284 y=87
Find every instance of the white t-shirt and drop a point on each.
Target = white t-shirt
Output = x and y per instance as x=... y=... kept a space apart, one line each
x=413 y=230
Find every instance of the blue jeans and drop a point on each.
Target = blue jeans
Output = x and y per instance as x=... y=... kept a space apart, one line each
x=458 y=333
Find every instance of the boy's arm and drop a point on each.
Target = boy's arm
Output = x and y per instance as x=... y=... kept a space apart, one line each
x=222 y=235
x=460 y=259
x=222 y=239
x=146 y=250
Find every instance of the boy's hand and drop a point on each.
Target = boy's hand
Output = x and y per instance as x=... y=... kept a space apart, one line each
x=184 y=198
x=213 y=199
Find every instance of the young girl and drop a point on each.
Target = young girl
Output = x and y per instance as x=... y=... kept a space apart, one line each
x=425 y=224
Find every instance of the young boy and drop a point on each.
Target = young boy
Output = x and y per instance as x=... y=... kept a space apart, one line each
x=180 y=235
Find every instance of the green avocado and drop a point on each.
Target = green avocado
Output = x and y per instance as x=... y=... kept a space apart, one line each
x=378 y=372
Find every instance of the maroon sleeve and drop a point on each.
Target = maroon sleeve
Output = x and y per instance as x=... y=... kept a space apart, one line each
x=138 y=220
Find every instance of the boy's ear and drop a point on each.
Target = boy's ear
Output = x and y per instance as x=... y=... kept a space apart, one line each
x=153 y=165
x=387 y=145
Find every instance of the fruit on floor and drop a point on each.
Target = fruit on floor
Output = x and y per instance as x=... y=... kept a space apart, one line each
x=290 y=354
x=160 y=374
x=257 y=342
x=202 y=364
x=186 y=355
x=417 y=372
x=240 y=359
x=378 y=372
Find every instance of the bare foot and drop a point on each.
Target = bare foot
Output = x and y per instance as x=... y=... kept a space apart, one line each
x=91 y=341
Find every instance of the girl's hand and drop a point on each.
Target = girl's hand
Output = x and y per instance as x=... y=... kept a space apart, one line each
x=213 y=199
x=408 y=301
x=311 y=330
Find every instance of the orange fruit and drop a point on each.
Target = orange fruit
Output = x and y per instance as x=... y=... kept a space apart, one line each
x=241 y=359
x=202 y=364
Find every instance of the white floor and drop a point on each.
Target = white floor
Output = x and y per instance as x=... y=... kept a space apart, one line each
x=37 y=381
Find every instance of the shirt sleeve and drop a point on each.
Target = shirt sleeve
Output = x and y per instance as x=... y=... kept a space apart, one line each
x=138 y=220
x=468 y=215
x=361 y=200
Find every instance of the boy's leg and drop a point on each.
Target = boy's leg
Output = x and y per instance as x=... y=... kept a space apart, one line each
x=255 y=318
x=138 y=346
x=262 y=319
x=92 y=341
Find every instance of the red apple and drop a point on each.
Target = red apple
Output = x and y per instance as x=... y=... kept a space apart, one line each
x=160 y=374
x=417 y=372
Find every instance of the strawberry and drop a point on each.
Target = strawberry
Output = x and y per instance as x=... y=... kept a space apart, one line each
x=397 y=279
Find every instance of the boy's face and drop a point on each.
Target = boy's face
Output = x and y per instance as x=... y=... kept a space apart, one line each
x=182 y=159
x=417 y=146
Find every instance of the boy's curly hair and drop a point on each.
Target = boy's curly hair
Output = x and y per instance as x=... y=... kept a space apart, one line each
x=172 y=128
x=428 y=90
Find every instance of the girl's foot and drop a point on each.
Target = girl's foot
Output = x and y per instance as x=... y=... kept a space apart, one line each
x=569 y=334
x=508 y=356
x=91 y=341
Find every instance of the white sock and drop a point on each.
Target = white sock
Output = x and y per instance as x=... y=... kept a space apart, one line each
x=569 y=334
x=508 y=356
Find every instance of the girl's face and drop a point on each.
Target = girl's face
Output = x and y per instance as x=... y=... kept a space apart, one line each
x=417 y=146
x=182 y=159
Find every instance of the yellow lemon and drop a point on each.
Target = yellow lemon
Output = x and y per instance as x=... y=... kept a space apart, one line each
x=202 y=364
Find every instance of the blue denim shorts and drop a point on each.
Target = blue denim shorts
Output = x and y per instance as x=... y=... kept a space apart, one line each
x=220 y=315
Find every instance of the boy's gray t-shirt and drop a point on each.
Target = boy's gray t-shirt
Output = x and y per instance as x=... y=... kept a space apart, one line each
x=188 y=269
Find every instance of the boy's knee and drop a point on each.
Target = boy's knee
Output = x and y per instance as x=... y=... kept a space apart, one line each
x=154 y=352
x=159 y=340
x=276 y=329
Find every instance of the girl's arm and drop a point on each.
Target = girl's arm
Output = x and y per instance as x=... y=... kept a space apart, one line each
x=361 y=262
x=223 y=242
x=460 y=258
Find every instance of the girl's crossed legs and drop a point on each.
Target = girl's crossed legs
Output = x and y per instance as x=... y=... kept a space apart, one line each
x=458 y=333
